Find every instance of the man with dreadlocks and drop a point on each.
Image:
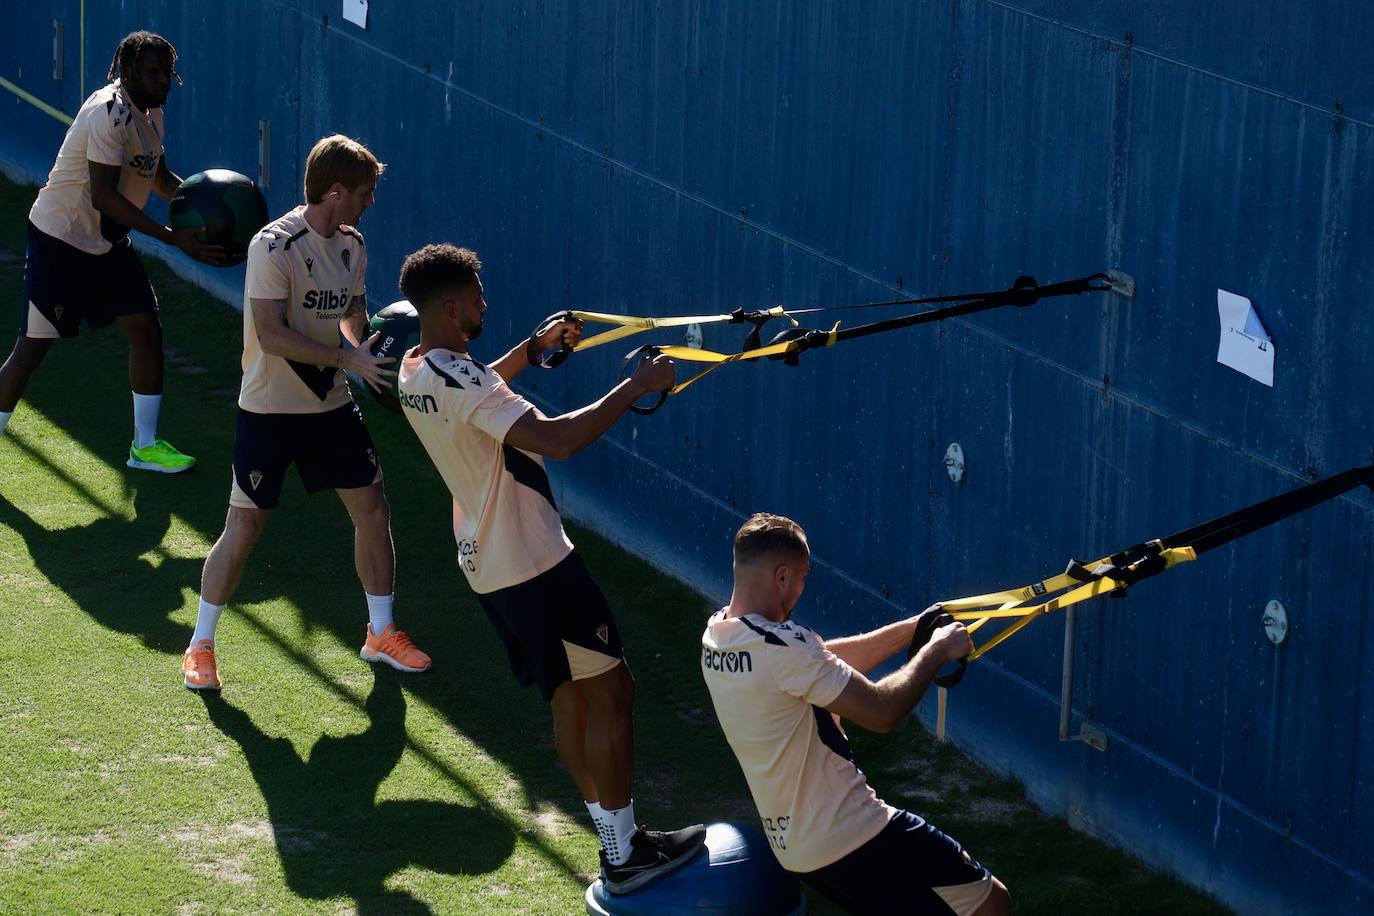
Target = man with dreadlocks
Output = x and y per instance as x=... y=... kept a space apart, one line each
x=80 y=264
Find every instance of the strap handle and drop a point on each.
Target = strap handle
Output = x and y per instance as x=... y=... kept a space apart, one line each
x=926 y=625
x=630 y=363
x=553 y=357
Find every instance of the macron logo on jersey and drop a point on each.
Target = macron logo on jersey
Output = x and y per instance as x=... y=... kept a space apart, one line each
x=729 y=662
x=422 y=403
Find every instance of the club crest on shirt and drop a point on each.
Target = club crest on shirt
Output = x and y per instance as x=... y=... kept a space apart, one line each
x=347 y=256
x=310 y=267
x=603 y=633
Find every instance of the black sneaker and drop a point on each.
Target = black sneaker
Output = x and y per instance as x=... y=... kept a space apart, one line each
x=652 y=855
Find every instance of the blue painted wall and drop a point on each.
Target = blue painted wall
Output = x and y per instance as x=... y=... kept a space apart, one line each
x=676 y=158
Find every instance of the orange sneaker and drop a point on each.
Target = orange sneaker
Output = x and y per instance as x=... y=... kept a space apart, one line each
x=395 y=648
x=198 y=667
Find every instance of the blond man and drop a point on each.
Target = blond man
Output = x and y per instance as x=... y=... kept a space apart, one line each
x=304 y=286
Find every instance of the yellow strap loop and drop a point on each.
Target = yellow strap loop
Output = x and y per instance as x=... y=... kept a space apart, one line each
x=979 y=609
x=631 y=324
x=693 y=355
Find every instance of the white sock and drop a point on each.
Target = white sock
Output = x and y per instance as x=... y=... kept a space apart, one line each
x=379 y=612
x=146 y=408
x=4 y=419
x=603 y=829
x=621 y=827
x=206 y=620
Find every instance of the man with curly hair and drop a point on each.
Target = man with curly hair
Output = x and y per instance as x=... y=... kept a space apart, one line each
x=489 y=445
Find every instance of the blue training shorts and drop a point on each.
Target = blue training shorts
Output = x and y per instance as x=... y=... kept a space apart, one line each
x=64 y=286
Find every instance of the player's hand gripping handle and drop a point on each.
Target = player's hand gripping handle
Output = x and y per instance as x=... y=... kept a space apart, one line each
x=640 y=360
x=543 y=353
x=933 y=619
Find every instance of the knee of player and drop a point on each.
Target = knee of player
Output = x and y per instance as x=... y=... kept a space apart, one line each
x=143 y=330
x=244 y=527
x=378 y=516
x=618 y=697
x=373 y=513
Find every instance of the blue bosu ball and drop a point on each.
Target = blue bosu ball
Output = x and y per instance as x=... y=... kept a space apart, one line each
x=735 y=876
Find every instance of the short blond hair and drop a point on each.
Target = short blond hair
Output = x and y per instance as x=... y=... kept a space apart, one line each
x=765 y=535
x=339 y=159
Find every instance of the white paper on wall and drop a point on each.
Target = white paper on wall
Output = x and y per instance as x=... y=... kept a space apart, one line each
x=355 y=11
x=1245 y=345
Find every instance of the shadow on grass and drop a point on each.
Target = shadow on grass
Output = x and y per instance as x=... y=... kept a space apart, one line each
x=89 y=562
x=332 y=835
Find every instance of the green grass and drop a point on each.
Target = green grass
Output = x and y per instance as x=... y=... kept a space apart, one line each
x=316 y=783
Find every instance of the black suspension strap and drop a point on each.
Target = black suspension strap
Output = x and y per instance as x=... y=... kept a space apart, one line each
x=1113 y=574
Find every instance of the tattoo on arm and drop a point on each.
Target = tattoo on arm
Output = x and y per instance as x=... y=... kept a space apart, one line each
x=268 y=314
x=354 y=320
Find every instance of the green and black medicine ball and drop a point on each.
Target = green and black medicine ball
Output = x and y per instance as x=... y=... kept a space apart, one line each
x=399 y=327
x=229 y=205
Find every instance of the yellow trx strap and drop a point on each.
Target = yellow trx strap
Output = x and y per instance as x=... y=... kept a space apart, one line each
x=631 y=324
x=789 y=345
x=1012 y=603
x=977 y=610
x=693 y=355
x=1123 y=569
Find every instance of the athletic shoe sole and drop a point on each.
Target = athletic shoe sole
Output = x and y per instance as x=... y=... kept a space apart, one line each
x=206 y=687
x=383 y=657
x=644 y=877
x=149 y=466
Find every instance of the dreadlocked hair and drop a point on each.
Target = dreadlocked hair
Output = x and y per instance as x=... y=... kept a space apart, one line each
x=132 y=48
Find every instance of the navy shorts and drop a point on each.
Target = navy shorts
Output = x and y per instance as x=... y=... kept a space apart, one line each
x=557 y=627
x=331 y=451
x=898 y=870
x=64 y=286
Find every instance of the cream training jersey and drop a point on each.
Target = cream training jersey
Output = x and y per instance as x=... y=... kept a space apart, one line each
x=109 y=130
x=317 y=277
x=504 y=516
x=770 y=683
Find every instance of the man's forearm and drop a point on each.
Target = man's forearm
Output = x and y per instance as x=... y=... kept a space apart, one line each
x=867 y=651
x=581 y=427
x=905 y=686
x=290 y=344
x=167 y=181
x=353 y=323
x=119 y=208
x=514 y=362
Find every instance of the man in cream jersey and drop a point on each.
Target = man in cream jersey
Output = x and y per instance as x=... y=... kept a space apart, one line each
x=489 y=445
x=80 y=265
x=780 y=691
x=305 y=286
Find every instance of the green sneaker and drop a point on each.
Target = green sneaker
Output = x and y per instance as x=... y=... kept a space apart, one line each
x=161 y=457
